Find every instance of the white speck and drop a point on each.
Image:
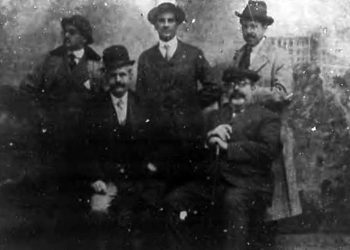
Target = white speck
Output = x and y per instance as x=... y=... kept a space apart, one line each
x=147 y=120
x=106 y=4
x=183 y=215
x=225 y=230
x=129 y=230
x=313 y=129
x=151 y=167
x=44 y=130
x=11 y=144
x=122 y=170
x=161 y=209
x=193 y=20
x=195 y=212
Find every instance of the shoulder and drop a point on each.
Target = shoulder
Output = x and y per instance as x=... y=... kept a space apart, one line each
x=261 y=112
x=238 y=52
x=148 y=52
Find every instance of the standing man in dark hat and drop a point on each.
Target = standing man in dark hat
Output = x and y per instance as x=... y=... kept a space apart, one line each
x=276 y=87
x=169 y=81
x=58 y=87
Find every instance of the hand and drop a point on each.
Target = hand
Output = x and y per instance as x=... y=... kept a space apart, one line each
x=217 y=141
x=222 y=131
x=151 y=167
x=99 y=186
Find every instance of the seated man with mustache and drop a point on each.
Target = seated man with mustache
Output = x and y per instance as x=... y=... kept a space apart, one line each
x=243 y=140
x=246 y=138
x=113 y=128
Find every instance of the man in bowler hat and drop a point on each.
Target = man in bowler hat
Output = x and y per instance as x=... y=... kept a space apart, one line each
x=236 y=184
x=113 y=132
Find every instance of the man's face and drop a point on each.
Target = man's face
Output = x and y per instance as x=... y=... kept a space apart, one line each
x=240 y=91
x=253 y=31
x=166 y=26
x=119 y=80
x=72 y=38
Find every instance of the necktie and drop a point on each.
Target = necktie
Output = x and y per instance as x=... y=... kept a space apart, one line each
x=121 y=112
x=71 y=61
x=245 y=61
x=167 y=52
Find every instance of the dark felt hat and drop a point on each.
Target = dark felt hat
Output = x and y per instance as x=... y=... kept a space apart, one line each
x=232 y=74
x=116 y=56
x=256 y=11
x=166 y=7
x=82 y=24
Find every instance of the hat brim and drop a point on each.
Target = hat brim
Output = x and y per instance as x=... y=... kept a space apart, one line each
x=120 y=64
x=263 y=19
x=156 y=11
x=232 y=74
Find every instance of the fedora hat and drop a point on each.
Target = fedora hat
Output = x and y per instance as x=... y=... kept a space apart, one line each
x=166 y=7
x=116 y=56
x=256 y=11
x=232 y=73
x=82 y=24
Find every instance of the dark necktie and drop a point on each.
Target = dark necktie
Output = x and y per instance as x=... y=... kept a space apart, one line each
x=245 y=60
x=71 y=61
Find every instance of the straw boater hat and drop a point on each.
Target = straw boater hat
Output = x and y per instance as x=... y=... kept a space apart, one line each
x=166 y=7
x=256 y=11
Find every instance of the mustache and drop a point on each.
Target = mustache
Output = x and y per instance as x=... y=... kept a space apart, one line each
x=237 y=95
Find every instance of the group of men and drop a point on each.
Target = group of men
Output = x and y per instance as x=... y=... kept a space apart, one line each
x=153 y=148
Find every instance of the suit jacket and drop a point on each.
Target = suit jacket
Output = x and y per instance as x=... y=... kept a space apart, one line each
x=169 y=90
x=254 y=144
x=274 y=67
x=113 y=150
x=59 y=93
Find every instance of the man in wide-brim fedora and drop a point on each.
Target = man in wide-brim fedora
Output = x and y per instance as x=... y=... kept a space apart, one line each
x=275 y=86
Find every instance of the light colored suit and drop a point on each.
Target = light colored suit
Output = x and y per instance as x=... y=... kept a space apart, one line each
x=274 y=67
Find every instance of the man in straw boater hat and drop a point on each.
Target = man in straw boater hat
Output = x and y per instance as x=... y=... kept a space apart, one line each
x=168 y=83
x=243 y=138
x=275 y=87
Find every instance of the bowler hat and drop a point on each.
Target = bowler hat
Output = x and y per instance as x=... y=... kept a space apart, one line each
x=166 y=7
x=232 y=73
x=256 y=11
x=82 y=24
x=116 y=56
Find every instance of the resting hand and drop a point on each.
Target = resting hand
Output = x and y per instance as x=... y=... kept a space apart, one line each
x=217 y=141
x=222 y=131
x=99 y=186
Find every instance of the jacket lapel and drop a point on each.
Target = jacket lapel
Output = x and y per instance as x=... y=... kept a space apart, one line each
x=261 y=58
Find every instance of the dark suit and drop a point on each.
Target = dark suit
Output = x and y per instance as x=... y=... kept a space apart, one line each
x=169 y=91
x=110 y=143
x=58 y=93
x=243 y=181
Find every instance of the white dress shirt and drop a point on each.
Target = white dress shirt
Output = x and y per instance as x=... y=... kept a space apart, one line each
x=120 y=106
x=171 y=49
x=78 y=55
x=256 y=49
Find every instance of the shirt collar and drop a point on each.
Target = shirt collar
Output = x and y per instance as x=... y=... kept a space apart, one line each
x=172 y=43
x=116 y=100
x=78 y=53
x=258 y=46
